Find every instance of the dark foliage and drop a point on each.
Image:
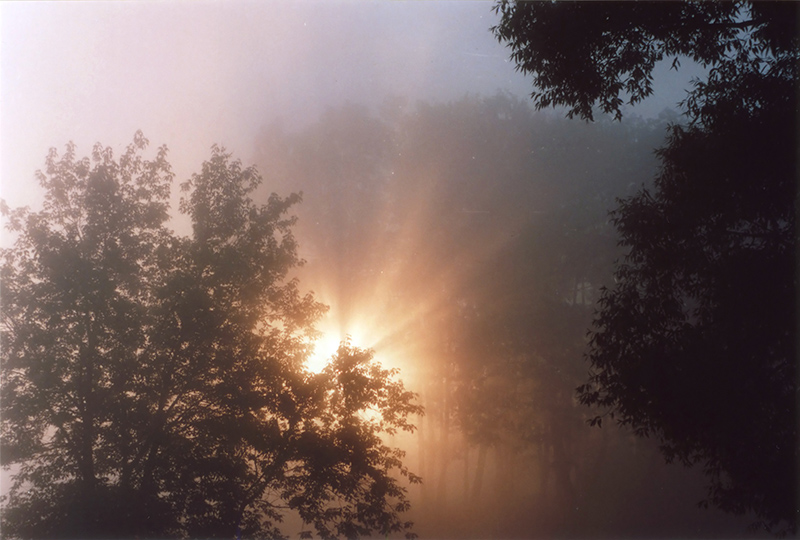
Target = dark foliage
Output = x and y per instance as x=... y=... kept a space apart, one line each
x=696 y=343
x=583 y=54
x=153 y=385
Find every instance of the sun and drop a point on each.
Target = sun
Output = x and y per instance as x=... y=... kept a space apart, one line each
x=324 y=348
x=332 y=333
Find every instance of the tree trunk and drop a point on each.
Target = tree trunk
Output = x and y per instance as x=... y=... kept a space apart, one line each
x=85 y=446
x=480 y=469
x=422 y=449
x=465 y=487
x=444 y=446
x=561 y=467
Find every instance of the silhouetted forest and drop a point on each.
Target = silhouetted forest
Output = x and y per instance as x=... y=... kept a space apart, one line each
x=486 y=291
x=476 y=317
x=695 y=345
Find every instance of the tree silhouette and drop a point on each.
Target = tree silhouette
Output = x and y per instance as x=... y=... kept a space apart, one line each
x=153 y=385
x=587 y=54
x=696 y=342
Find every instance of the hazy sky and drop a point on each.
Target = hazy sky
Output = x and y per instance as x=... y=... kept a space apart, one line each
x=190 y=74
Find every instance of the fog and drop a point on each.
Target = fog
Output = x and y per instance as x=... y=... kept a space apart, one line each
x=192 y=75
x=466 y=242
x=449 y=226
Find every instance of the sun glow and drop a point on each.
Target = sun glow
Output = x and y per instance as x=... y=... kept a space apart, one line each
x=333 y=332
x=324 y=348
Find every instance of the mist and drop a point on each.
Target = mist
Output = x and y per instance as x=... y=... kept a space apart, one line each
x=450 y=227
x=481 y=293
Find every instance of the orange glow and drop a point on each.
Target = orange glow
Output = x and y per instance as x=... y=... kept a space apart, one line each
x=399 y=304
x=324 y=348
x=333 y=332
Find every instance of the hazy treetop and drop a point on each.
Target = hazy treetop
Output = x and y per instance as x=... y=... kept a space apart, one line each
x=190 y=75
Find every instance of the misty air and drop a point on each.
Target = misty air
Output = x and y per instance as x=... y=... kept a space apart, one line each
x=468 y=270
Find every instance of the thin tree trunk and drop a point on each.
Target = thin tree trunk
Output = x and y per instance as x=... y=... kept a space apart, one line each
x=465 y=488
x=480 y=468
x=85 y=457
x=561 y=467
x=444 y=446
x=545 y=466
x=422 y=434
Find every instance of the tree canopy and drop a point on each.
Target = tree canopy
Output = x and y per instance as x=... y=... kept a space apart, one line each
x=153 y=385
x=587 y=54
x=696 y=342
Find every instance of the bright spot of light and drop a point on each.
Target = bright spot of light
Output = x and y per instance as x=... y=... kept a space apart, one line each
x=324 y=348
x=333 y=333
